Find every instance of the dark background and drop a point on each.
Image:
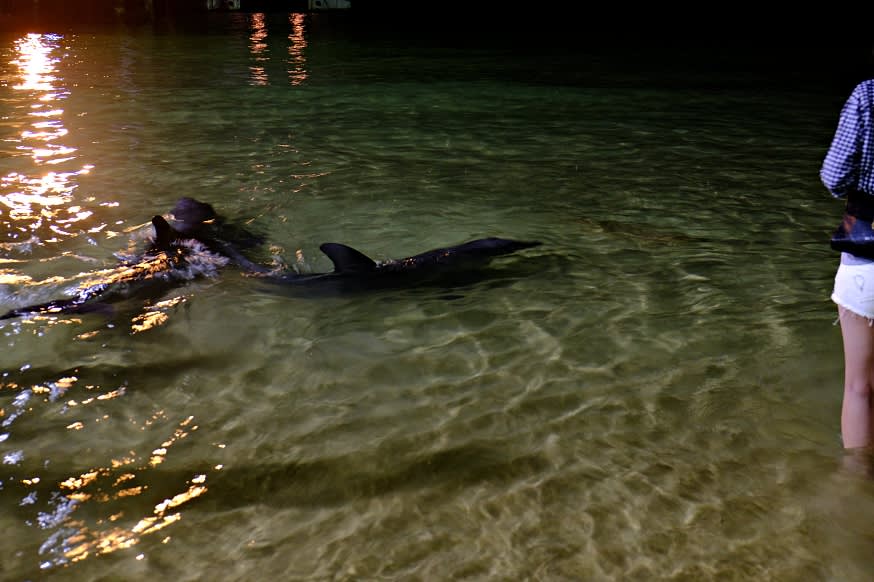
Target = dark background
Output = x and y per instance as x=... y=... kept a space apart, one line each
x=826 y=45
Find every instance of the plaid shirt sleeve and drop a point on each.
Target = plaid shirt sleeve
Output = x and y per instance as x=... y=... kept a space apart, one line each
x=849 y=161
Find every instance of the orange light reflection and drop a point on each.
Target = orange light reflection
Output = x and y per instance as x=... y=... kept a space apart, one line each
x=35 y=62
x=37 y=68
x=108 y=485
x=37 y=202
x=260 y=50
x=155 y=315
x=297 y=72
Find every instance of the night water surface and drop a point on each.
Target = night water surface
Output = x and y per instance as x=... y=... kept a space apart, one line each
x=651 y=394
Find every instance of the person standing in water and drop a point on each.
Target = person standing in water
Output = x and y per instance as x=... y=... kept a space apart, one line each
x=848 y=172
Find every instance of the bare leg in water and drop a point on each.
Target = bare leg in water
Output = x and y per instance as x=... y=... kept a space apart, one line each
x=856 y=412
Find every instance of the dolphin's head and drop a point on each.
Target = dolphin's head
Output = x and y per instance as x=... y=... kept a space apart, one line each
x=190 y=215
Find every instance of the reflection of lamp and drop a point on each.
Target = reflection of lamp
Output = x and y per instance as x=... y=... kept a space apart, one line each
x=260 y=52
x=40 y=200
x=76 y=541
x=297 y=72
x=258 y=48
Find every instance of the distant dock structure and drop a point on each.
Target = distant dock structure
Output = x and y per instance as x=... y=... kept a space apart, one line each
x=18 y=14
x=289 y=5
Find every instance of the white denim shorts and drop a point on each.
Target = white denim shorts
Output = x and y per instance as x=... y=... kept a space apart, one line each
x=854 y=288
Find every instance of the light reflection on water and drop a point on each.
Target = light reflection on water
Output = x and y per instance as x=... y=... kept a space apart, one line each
x=653 y=394
x=260 y=50
x=39 y=198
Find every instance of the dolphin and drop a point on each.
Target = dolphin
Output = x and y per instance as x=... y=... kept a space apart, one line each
x=195 y=242
x=193 y=219
x=448 y=266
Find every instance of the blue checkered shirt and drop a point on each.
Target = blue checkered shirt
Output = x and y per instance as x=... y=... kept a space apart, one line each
x=849 y=163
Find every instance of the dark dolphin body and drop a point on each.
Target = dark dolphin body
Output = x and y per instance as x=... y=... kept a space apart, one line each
x=444 y=267
x=197 y=244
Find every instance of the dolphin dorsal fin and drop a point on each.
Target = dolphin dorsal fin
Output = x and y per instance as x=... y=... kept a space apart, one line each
x=164 y=233
x=346 y=259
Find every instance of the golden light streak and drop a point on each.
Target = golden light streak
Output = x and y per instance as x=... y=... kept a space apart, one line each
x=258 y=48
x=13 y=279
x=159 y=415
x=124 y=478
x=147 y=321
x=155 y=315
x=297 y=44
x=80 y=481
x=177 y=500
x=85 y=542
x=72 y=403
x=37 y=202
x=153 y=524
x=158 y=454
x=35 y=63
x=112 y=394
x=66 y=383
x=37 y=68
x=157 y=457
x=116 y=463
x=130 y=492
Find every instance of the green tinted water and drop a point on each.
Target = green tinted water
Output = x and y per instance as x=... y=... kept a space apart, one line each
x=652 y=394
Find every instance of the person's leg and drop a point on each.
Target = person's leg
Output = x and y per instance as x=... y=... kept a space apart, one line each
x=871 y=415
x=856 y=412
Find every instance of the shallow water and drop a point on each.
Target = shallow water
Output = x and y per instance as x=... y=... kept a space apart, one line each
x=653 y=393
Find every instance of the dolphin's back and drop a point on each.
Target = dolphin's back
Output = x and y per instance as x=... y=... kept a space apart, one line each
x=469 y=254
x=493 y=246
x=356 y=272
x=348 y=260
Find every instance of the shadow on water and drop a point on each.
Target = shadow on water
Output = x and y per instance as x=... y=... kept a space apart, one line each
x=323 y=482
x=451 y=284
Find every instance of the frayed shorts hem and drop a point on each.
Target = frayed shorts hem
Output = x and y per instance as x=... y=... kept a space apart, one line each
x=854 y=289
x=869 y=317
